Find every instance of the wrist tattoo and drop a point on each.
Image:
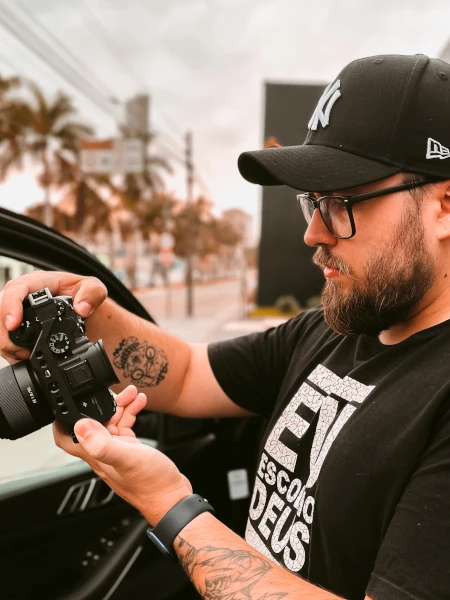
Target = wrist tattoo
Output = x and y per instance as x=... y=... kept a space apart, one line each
x=224 y=574
x=146 y=365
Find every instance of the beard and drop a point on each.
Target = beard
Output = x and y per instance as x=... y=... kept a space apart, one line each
x=393 y=283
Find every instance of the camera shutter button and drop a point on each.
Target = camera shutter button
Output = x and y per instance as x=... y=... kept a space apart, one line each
x=25 y=334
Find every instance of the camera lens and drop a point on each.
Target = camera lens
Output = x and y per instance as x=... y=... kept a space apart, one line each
x=23 y=409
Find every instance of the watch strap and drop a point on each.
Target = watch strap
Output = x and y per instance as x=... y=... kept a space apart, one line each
x=175 y=520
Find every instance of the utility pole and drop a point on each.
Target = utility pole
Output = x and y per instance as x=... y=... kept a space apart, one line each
x=189 y=231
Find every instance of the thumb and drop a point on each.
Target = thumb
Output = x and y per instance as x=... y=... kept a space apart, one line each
x=90 y=294
x=98 y=442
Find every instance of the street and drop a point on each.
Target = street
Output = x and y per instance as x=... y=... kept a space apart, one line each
x=215 y=304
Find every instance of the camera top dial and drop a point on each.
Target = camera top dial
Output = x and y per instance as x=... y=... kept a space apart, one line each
x=59 y=343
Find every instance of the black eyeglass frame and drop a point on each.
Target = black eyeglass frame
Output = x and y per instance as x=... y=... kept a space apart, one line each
x=349 y=201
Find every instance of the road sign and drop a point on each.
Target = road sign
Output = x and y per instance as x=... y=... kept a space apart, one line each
x=166 y=258
x=112 y=156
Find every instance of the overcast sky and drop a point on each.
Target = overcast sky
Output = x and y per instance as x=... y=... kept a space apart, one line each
x=205 y=62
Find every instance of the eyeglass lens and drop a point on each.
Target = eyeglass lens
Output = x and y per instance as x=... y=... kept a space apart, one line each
x=334 y=214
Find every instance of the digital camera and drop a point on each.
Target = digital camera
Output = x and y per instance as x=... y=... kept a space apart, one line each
x=66 y=377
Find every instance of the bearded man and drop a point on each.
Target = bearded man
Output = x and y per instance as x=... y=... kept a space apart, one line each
x=352 y=491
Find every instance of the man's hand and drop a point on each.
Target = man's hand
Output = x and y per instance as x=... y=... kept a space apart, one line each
x=141 y=475
x=88 y=294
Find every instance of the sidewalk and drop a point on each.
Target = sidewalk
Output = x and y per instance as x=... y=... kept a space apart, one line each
x=180 y=285
x=218 y=313
x=199 y=330
x=223 y=326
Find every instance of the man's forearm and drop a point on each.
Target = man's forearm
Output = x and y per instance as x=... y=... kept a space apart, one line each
x=223 y=566
x=141 y=354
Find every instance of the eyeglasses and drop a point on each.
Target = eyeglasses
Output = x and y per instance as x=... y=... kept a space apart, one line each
x=336 y=211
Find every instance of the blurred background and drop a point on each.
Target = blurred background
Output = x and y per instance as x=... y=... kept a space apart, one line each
x=121 y=124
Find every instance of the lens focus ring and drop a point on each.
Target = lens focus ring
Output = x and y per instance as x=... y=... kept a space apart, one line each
x=13 y=406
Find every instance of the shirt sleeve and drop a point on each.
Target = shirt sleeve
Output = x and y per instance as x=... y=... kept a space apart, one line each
x=250 y=369
x=414 y=559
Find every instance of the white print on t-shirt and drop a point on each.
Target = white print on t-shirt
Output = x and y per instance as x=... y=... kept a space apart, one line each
x=282 y=507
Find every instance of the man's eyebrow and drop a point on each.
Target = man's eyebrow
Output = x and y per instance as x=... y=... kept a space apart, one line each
x=345 y=193
x=356 y=191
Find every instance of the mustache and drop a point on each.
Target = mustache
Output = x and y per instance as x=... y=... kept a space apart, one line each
x=324 y=258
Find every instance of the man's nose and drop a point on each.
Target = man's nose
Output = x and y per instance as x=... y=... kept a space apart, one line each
x=317 y=232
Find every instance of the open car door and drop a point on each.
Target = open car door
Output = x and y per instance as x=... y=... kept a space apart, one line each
x=63 y=533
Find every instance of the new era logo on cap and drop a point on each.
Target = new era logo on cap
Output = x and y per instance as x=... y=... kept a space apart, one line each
x=437 y=150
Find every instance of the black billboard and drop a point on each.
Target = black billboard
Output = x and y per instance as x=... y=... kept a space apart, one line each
x=285 y=265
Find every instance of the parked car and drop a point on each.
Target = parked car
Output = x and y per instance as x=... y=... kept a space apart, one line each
x=63 y=533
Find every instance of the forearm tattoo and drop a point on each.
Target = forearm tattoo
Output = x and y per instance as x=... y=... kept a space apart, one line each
x=224 y=574
x=144 y=364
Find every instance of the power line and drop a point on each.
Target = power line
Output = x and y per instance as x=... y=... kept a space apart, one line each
x=29 y=39
x=108 y=92
x=181 y=161
x=101 y=33
x=28 y=56
x=176 y=151
x=38 y=46
x=44 y=67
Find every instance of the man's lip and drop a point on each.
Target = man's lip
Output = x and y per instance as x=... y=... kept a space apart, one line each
x=330 y=272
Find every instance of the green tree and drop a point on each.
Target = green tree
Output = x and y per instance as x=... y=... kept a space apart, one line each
x=52 y=129
x=81 y=212
x=45 y=127
x=13 y=112
x=199 y=232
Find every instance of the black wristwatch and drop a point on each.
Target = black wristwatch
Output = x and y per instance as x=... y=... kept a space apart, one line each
x=165 y=532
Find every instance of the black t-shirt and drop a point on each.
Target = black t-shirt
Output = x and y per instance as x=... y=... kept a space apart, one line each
x=352 y=490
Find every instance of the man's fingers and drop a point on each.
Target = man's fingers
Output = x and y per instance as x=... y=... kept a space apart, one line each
x=88 y=296
x=64 y=440
x=129 y=404
x=16 y=290
x=99 y=444
x=126 y=396
x=88 y=293
x=134 y=406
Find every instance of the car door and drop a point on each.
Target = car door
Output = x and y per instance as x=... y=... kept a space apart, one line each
x=63 y=533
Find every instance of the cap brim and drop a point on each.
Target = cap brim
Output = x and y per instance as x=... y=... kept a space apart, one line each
x=311 y=168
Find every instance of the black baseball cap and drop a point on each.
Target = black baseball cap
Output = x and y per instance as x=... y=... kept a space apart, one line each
x=382 y=115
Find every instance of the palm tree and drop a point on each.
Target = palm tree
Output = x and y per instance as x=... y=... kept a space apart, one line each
x=45 y=127
x=53 y=128
x=81 y=213
x=12 y=135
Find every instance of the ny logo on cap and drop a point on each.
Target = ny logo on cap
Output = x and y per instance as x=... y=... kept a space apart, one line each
x=437 y=150
x=324 y=106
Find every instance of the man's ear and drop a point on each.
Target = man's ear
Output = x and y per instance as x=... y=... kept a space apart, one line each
x=443 y=218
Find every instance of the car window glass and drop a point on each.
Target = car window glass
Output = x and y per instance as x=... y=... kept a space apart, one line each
x=35 y=453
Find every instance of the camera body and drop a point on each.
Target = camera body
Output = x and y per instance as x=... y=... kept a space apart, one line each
x=66 y=377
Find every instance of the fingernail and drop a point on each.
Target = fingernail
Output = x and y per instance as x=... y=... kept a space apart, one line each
x=85 y=308
x=9 y=321
x=84 y=430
